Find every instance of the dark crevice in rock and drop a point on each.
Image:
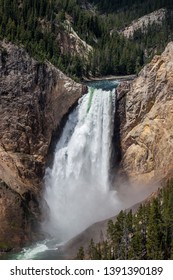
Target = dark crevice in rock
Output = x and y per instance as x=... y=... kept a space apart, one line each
x=116 y=141
x=116 y=172
x=58 y=131
x=56 y=135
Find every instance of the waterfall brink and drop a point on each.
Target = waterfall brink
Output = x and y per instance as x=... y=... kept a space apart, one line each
x=77 y=187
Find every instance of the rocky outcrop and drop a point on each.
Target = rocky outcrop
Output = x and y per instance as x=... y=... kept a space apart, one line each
x=144 y=22
x=67 y=39
x=70 y=43
x=147 y=135
x=34 y=99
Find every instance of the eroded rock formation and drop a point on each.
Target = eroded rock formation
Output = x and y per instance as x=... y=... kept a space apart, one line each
x=34 y=99
x=147 y=136
x=156 y=17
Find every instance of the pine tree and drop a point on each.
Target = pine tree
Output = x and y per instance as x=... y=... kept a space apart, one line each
x=154 y=232
x=80 y=254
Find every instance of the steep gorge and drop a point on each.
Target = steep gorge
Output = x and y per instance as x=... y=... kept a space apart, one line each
x=35 y=99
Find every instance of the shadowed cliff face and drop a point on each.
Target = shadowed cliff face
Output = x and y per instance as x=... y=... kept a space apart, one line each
x=147 y=136
x=34 y=98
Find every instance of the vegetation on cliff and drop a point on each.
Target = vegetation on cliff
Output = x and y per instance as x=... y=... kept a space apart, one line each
x=38 y=25
x=140 y=7
x=145 y=234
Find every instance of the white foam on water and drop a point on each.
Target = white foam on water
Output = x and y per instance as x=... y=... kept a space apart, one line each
x=30 y=253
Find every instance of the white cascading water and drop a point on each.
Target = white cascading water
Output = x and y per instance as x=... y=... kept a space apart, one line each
x=77 y=187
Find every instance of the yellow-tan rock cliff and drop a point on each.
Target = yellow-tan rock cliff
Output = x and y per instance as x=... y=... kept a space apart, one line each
x=147 y=141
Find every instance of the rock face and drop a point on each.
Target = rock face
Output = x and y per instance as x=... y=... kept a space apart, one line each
x=34 y=99
x=142 y=23
x=147 y=135
x=70 y=43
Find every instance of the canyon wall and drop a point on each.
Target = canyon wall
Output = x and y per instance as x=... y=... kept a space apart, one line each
x=147 y=133
x=35 y=98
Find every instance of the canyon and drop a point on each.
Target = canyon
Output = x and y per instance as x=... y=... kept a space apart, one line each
x=35 y=99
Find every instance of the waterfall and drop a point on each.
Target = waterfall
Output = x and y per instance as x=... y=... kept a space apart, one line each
x=77 y=188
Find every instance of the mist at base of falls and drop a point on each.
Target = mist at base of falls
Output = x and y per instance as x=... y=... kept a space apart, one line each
x=77 y=189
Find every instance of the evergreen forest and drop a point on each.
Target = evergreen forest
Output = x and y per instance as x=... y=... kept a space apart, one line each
x=37 y=26
x=146 y=234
